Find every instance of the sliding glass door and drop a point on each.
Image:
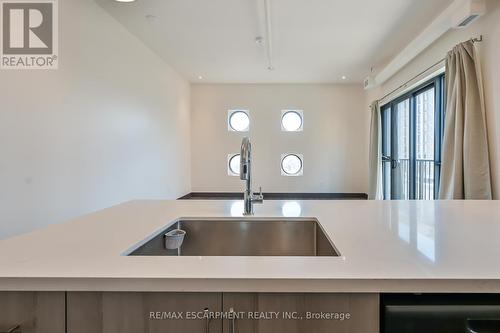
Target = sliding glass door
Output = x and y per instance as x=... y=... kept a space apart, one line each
x=412 y=127
x=425 y=108
x=401 y=149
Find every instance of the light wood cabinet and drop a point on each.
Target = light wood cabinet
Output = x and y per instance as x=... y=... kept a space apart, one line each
x=302 y=313
x=34 y=312
x=286 y=312
x=142 y=312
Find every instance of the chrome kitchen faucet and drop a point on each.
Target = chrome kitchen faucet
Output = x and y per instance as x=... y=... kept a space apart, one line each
x=246 y=174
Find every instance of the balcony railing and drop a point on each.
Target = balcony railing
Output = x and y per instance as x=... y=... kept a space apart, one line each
x=424 y=179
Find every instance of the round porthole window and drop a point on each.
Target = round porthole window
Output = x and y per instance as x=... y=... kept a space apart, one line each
x=239 y=121
x=291 y=165
x=291 y=121
x=234 y=165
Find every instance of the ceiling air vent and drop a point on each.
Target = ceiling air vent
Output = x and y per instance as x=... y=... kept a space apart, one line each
x=468 y=20
x=470 y=11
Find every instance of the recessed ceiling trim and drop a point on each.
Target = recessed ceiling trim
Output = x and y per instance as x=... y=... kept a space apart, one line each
x=304 y=41
x=443 y=23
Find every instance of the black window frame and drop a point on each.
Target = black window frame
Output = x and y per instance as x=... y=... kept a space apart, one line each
x=388 y=114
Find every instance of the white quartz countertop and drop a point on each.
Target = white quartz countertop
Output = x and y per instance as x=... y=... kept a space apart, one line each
x=398 y=246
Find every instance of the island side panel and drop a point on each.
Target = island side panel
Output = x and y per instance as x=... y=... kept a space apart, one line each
x=132 y=312
x=343 y=313
x=34 y=312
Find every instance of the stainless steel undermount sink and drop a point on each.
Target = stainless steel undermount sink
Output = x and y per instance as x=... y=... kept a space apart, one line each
x=243 y=237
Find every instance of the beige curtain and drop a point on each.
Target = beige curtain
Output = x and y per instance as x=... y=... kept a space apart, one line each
x=375 y=190
x=465 y=171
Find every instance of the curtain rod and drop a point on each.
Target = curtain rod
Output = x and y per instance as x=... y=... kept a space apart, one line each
x=473 y=40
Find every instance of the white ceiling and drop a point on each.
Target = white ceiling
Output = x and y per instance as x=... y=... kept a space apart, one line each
x=314 y=41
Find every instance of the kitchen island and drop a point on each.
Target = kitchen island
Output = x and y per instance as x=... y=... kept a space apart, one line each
x=398 y=246
x=384 y=247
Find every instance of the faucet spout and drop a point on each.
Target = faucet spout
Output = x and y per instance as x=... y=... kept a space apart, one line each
x=249 y=197
x=245 y=159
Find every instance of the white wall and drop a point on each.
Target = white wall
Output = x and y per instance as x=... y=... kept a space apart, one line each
x=111 y=125
x=489 y=26
x=333 y=141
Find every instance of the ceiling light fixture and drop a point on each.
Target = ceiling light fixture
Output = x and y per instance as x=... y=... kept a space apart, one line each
x=268 y=34
x=344 y=77
x=124 y=0
x=200 y=77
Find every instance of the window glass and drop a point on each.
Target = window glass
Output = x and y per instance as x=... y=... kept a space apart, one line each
x=402 y=137
x=239 y=121
x=234 y=165
x=424 y=145
x=291 y=165
x=291 y=121
x=386 y=151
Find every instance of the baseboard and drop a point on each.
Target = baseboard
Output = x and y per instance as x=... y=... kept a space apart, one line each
x=275 y=196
